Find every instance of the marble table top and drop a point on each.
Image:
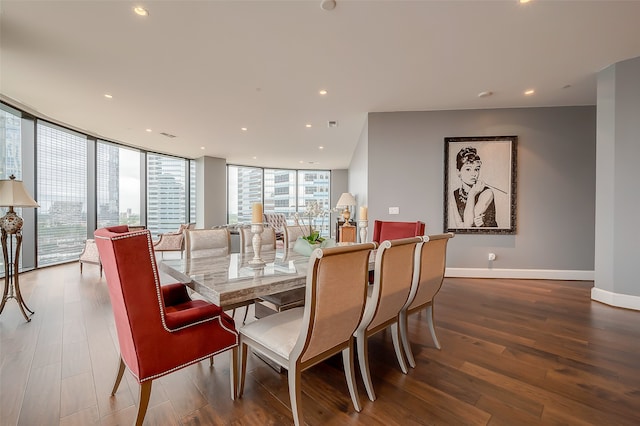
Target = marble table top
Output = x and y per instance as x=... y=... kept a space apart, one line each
x=229 y=281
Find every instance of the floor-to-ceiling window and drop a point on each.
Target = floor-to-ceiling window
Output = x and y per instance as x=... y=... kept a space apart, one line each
x=159 y=193
x=166 y=193
x=244 y=189
x=61 y=170
x=281 y=191
x=314 y=188
x=118 y=185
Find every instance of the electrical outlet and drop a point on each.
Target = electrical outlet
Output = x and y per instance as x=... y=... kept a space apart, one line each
x=394 y=210
x=492 y=256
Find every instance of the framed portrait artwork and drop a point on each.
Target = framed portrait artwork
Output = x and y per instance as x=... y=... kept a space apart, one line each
x=480 y=185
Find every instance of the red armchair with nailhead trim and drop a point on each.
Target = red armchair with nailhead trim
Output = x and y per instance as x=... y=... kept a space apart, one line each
x=160 y=328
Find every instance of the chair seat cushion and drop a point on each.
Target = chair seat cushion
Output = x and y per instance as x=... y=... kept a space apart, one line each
x=190 y=312
x=278 y=332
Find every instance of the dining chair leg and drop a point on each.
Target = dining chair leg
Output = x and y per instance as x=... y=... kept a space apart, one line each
x=431 y=327
x=295 y=395
x=398 y=349
x=405 y=339
x=363 y=361
x=349 y=371
x=243 y=368
x=211 y=361
x=233 y=372
x=145 y=394
x=119 y=375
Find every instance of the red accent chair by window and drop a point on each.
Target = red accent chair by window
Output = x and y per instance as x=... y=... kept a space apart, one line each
x=160 y=328
x=386 y=230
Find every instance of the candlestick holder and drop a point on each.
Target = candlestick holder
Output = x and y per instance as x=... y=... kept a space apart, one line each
x=256 y=242
x=363 y=224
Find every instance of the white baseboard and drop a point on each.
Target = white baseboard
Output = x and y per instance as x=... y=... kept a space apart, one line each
x=533 y=274
x=616 y=299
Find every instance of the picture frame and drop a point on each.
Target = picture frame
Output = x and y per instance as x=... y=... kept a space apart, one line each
x=485 y=166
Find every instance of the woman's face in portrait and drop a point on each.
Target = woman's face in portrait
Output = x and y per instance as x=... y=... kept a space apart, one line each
x=469 y=172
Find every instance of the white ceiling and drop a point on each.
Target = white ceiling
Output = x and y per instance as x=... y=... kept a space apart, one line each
x=201 y=70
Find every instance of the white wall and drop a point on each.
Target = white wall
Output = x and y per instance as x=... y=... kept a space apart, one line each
x=617 y=247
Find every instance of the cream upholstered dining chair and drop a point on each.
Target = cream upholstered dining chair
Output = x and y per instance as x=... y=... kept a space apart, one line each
x=268 y=237
x=393 y=276
x=299 y=338
x=427 y=280
x=291 y=234
x=207 y=242
x=172 y=241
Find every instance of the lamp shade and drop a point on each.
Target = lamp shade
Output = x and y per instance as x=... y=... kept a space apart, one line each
x=346 y=200
x=14 y=194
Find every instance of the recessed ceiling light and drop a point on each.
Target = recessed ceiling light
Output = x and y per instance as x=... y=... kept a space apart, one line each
x=529 y=92
x=108 y=96
x=139 y=10
x=307 y=125
x=524 y=1
x=323 y=92
x=301 y=162
x=255 y=158
x=244 y=129
x=321 y=147
x=202 y=147
x=149 y=130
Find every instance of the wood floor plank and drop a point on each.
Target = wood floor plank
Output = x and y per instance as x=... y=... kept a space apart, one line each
x=514 y=352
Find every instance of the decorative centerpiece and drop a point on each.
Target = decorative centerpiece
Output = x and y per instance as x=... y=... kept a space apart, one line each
x=311 y=239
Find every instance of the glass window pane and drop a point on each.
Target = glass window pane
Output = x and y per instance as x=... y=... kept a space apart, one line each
x=166 y=193
x=280 y=191
x=62 y=194
x=245 y=189
x=10 y=155
x=118 y=182
x=314 y=188
x=192 y=191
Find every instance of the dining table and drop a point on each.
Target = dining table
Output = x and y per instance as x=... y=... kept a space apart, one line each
x=231 y=281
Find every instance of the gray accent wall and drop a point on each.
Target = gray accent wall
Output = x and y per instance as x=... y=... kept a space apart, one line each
x=555 y=181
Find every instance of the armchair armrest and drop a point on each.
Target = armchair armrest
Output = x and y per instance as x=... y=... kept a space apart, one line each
x=190 y=314
x=174 y=294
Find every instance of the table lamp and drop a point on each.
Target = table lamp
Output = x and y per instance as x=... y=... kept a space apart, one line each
x=346 y=200
x=13 y=194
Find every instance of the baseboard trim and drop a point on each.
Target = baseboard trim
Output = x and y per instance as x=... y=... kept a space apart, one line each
x=534 y=274
x=616 y=299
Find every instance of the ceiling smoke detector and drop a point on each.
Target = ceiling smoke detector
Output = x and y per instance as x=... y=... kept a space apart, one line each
x=332 y=123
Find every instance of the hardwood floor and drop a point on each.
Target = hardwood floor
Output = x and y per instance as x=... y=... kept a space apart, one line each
x=514 y=352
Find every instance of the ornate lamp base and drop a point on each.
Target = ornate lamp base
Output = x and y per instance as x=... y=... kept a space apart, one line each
x=11 y=272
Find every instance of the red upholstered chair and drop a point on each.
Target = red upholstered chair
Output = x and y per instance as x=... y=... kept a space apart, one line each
x=160 y=329
x=385 y=230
